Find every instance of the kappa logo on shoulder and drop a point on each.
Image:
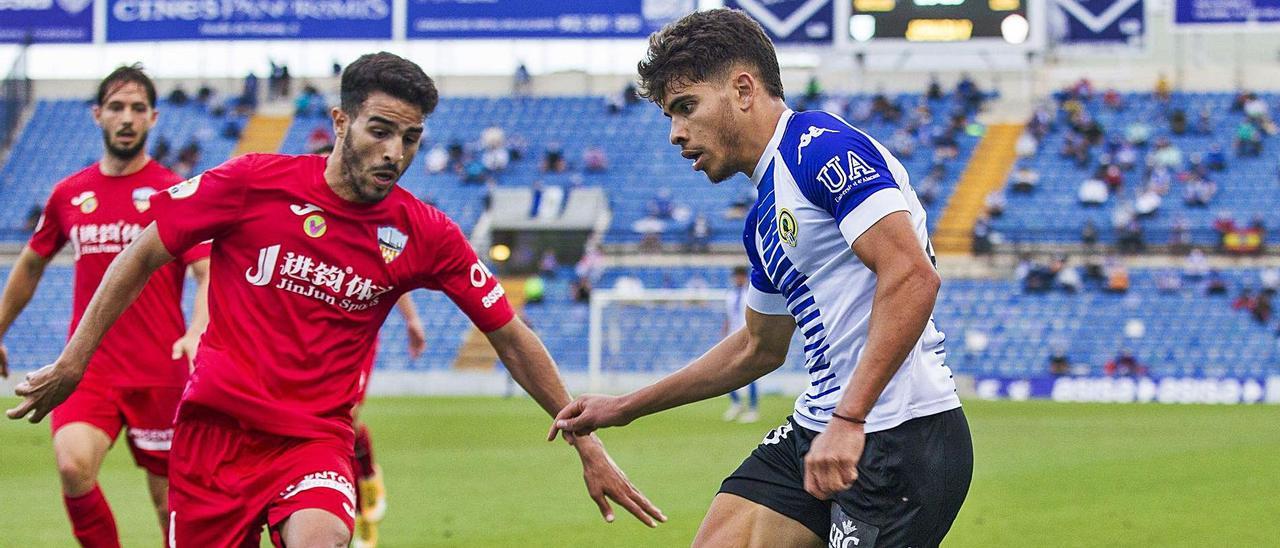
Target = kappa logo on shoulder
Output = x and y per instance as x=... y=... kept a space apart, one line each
x=808 y=137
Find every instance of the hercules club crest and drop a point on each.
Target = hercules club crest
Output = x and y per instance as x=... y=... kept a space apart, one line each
x=391 y=242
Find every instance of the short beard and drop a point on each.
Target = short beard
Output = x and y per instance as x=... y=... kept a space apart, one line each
x=350 y=172
x=127 y=153
x=730 y=141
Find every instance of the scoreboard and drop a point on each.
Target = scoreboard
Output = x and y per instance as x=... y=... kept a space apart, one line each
x=938 y=20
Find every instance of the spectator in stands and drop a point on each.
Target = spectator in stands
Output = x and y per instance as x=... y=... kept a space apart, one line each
x=1125 y=365
x=517 y=145
x=903 y=144
x=1093 y=192
x=969 y=92
x=1248 y=140
x=1262 y=309
x=931 y=187
x=522 y=81
x=319 y=138
x=1113 y=177
x=205 y=95
x=1199 y=192
x=547 y=265
x=661 y=206
x=553 y=159
x=188 y=159
x=1166 y=154
x=1259 y=114
x=1027 y=145
x=1076 y=147
x=741 y=202
x=310 y=103
x=1215 y=159
x=33 y=218
x=495 y=156
x=1168 y=282
x=473 y=170
x=1065 y=276
x=982 y=235
x=1089 y=233
x=1178 y=121
x=1204 y=121
x=934 y=91
x=1126 y=155
x=249 y=95
x=1223 y=224
x=1138 y=133
x=1025 y=178
x=1112 y=99
x=1245 y=301
x=594 y=160
x=1180 y=236
x=231 y=128
x=1147 y=202
x=1270 y=278
x=812 y=93
x=1214 y=283
x=699 y=240
x=1196 y=265
x=1117 y=275
x=1164 y=90
x=437 y=159
x=178 y=97
x=1129 y=237
x=1059 y=365
x=995 y=203
x=161 y=150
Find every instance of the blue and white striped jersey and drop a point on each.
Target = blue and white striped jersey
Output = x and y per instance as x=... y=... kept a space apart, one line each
x=822 y=183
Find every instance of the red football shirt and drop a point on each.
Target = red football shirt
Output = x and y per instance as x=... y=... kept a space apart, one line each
x=99 y=216
x=300 y=282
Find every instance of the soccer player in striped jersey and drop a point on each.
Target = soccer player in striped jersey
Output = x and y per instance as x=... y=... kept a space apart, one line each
x=877 y=451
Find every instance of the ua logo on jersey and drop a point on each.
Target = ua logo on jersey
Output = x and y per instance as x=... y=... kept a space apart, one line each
x=836 y=175
x=808 y=137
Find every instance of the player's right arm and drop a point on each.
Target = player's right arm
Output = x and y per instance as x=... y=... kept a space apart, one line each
x=744 y=356
x=23 y=279
x=128 y=274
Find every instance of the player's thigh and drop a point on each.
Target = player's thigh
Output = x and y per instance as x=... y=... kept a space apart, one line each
x=149 y=413
x=312 y=528
x=79 y=448
x=736 y=522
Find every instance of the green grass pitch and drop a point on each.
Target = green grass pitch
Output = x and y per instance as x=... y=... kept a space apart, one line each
x=474 y=472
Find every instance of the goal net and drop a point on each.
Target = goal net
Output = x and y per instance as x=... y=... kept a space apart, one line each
x=637 y=335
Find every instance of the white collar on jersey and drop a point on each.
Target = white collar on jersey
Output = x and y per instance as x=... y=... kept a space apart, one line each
x=763 y=163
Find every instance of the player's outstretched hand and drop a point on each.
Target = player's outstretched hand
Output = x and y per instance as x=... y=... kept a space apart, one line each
x=587 y=414
x=605 y=482
x=43 y=390
x=831 y=466
x=186 y=346
x=4 y=361
x=417 y=339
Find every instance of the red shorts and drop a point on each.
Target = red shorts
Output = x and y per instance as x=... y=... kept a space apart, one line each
x=226 y=481
x=147 y=411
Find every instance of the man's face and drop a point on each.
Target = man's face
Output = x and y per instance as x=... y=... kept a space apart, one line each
x=739 y=280
x=125 y=116
x=703 y=126
x=378 y=144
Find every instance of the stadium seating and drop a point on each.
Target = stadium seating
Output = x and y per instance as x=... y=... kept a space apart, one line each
x=635 y=141
x=992 y=327
x=61 y=139
x=1052 y=214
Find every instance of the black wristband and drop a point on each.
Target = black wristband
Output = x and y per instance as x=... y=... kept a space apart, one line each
x=850 y=419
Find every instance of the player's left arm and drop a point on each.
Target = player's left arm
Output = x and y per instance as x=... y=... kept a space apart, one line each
x=532 y=367
x=906 y=288
x=128 y=274
x=187 y=344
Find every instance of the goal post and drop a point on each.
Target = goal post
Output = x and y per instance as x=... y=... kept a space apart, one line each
x=646 y=331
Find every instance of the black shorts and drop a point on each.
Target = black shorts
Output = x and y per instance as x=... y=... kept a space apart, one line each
x=912 y=480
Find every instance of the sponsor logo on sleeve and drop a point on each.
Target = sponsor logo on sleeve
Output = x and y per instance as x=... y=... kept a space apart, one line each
x=186 y=188
x=845 y=171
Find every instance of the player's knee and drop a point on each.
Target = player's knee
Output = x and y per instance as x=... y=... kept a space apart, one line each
x=78 y=475
x=323 y=537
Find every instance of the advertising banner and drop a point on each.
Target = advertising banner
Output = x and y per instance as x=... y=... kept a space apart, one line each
x=791 y=21
x=147 y=20
x=1222 y=390
x=1197 y=13
x=529 y=19
x=1098 y=22
x=46 y=21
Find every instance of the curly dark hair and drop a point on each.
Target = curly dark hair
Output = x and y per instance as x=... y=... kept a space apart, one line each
x=704 y=45
x=124 y=75
x=390 y=74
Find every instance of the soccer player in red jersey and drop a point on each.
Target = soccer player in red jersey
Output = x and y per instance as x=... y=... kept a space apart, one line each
x=309 y=255
x=136 y=376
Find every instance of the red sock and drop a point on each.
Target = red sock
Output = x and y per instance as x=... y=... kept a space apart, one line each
x=364 y=452
x=91 y=520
